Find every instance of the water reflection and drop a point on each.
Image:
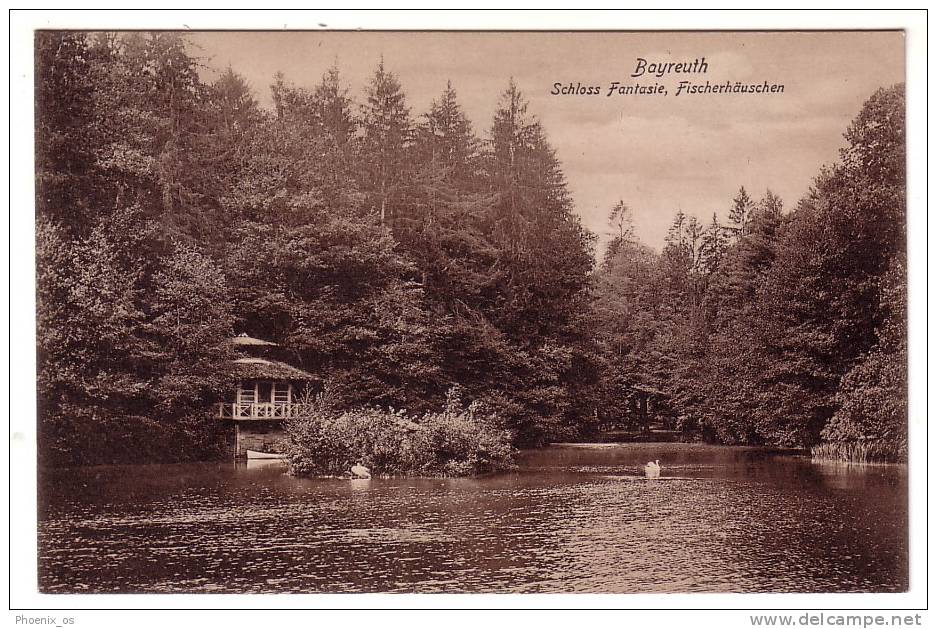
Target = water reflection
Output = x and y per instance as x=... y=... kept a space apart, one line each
x=570 y=519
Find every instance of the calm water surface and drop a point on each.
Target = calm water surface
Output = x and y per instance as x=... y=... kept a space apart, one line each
x=571 y=519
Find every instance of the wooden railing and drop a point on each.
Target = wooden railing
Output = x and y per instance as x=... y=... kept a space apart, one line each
x=258 y=410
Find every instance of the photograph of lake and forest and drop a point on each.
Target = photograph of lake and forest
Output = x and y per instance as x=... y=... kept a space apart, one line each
x=482 y=312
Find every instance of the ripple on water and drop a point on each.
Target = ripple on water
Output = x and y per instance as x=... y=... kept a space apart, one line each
x=570 y=520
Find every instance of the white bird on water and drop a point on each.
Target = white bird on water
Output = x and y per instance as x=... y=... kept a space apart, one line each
x=360 y=471
x=652 y=469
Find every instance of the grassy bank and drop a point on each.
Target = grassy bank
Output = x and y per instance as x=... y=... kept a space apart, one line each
x=638 y=436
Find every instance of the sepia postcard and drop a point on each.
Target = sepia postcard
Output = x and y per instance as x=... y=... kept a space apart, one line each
x=516 y=310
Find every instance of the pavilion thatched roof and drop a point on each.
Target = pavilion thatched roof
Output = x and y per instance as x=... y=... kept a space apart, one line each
x=264 y=369
x=243 y=339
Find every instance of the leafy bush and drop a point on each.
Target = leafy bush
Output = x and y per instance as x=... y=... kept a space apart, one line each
x=459 y=441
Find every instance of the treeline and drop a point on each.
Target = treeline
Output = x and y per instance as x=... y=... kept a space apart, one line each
x=400 y=254
x=773 y=328
x=395 y=254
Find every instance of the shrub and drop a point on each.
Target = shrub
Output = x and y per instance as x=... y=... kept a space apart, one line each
x=459 y=441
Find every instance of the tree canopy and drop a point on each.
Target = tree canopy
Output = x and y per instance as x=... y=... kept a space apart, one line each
x=399 y=254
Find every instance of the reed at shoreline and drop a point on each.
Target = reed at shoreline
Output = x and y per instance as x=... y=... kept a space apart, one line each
x=859 y=452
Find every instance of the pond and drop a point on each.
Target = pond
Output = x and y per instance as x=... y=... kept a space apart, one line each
x=572 y=518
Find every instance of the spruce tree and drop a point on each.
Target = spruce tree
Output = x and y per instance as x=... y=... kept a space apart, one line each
x=384 y=151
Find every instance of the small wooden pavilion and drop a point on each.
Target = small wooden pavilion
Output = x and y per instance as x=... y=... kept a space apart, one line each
x=266 y=395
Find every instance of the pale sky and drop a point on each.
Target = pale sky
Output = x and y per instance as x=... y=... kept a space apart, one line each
x=658 y=153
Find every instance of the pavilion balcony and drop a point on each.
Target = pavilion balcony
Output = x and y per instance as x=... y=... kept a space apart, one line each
x=258 y=410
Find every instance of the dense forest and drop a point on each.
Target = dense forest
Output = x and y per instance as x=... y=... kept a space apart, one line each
x=401 y=256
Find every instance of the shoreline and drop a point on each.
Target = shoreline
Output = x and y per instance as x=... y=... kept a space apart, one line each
x=558 y=444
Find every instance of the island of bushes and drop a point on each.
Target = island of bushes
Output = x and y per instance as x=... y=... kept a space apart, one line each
x=461 y=440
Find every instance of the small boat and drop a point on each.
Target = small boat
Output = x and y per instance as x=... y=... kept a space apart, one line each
x=254 y=454
x=255 y=464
